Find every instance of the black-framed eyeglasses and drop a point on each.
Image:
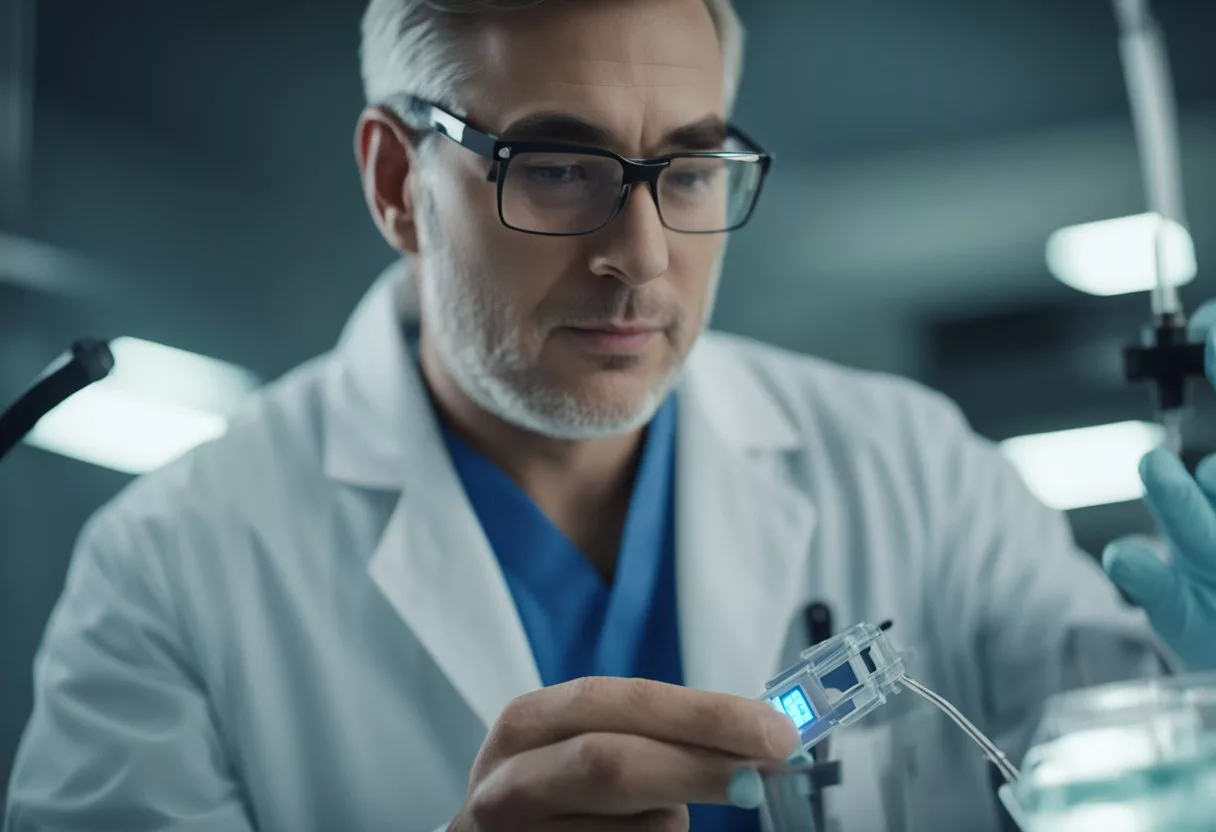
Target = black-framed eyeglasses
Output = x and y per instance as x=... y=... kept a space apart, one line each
x=561 y=189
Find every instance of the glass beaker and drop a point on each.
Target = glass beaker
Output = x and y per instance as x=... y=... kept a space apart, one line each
x=1129 y=757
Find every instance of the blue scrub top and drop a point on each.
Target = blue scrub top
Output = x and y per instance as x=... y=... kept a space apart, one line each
x=578 y=624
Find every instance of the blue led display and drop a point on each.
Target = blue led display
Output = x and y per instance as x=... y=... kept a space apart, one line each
x=795 y=704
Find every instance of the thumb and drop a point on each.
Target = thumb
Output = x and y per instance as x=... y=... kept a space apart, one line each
x=1150 y=582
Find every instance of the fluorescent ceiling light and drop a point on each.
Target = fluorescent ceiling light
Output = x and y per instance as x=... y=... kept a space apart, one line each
x=1085 y=466
x=158 y=403
x=1114 y=257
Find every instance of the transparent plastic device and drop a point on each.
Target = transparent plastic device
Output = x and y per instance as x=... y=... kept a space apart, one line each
x=837 y=682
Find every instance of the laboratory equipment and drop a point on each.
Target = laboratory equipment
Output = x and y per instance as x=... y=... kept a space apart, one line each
x=87 y=361
x=1165 y=356
x=835 y=684
x=1128 y=757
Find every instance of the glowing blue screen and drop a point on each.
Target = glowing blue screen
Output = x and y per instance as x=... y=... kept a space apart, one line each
x=795 y=704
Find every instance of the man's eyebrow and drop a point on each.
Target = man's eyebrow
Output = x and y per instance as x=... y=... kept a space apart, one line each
x=707 y=134
x=556 y=127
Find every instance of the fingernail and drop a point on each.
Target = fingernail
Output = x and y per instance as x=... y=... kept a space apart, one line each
x=1112 y=560
x=746 y=789
x=1121 y=562
x=1151 y=463
x=1136 y=570
x=1161 y=468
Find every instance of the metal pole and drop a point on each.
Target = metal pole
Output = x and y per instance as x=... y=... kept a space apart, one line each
x=1151 y=96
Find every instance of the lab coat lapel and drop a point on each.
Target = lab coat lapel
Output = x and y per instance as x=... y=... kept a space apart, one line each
x=436 y=568
x=433 y=562
x=743 y=531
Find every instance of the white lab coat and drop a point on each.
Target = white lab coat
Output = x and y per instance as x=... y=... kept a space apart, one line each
x=301 y=627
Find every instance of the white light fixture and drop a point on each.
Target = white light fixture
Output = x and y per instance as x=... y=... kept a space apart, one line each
x=1082 y=467
x=158 y=403
x=1114 y=257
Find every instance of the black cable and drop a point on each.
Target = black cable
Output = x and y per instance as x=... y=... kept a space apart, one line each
x=818 y=619
x=87 y=361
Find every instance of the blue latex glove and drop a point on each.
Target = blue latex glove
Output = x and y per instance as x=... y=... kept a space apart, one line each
x=1179 y=597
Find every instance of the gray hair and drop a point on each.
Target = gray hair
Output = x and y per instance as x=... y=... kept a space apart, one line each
x=415 y=46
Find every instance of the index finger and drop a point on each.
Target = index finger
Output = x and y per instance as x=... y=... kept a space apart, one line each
x=1186 y=516
x=668 y=713
x=1205 y=475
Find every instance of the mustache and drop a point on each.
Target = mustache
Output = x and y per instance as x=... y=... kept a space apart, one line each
x=621 y=304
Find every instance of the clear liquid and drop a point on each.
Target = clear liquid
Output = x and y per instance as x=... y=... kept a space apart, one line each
x=1168 y=797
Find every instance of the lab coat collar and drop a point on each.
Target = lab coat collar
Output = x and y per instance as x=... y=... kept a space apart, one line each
x=743 y=529
x=372 y=393
x=740 y=410
x=433 y=562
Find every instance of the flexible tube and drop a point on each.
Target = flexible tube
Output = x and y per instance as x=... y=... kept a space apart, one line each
x=998 y=758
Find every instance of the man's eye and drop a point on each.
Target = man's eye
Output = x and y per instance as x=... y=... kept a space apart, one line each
x=556 y=174
x=695 y=175
x=691 y=179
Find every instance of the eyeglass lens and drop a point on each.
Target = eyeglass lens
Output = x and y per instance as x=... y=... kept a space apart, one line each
x=575 y=193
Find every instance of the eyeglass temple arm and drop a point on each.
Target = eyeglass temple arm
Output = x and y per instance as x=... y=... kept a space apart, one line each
x=752 y=144
x=420 y=114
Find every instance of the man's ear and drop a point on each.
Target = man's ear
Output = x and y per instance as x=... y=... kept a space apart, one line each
x=386 y=159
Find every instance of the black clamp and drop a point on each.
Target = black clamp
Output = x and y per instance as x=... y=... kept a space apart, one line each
x=1166 y=357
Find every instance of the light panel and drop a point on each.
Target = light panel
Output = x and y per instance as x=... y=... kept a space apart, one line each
x=1118 y=256
x=1083 y=467
x=158 y=403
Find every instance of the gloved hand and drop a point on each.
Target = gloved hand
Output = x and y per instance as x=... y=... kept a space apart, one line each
x=1179 y=597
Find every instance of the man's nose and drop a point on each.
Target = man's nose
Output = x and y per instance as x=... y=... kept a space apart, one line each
x=634 y=248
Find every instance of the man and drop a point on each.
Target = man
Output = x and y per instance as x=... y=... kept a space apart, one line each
x=412 y=584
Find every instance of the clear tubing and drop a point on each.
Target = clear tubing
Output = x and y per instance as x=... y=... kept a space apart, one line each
x=1008 y=770
x=1172 y=421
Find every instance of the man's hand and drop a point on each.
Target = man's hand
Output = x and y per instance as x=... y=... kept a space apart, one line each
x=1179 y=597
x=627 y=754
